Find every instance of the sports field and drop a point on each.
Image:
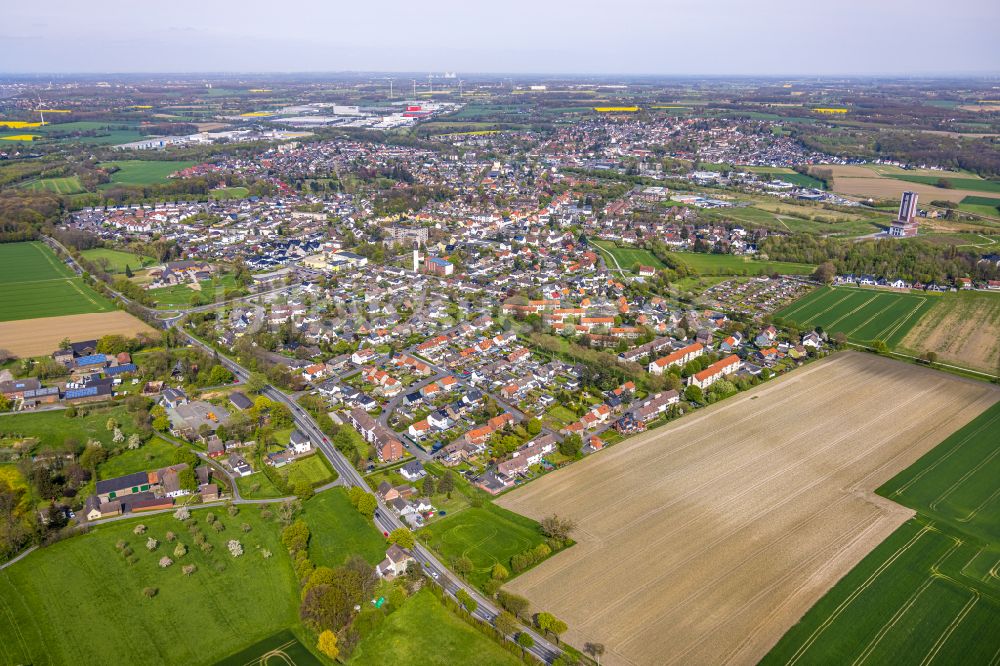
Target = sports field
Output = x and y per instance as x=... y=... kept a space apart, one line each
x=703 y=542
x=930 y=591
x=66 y=185
x=624 y=257
x=488 y=535
x=34 y=283
x=117 y=260
x=144 y=172
x=864 y=315
x=282 y=649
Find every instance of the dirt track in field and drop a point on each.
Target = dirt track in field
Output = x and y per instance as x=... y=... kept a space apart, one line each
x=38 y=337
x=703 y=542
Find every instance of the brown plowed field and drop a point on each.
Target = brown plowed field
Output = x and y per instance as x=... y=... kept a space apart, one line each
x=703 y=542
x=38 y=337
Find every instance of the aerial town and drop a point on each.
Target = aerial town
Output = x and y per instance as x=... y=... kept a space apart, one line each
x=427 y=369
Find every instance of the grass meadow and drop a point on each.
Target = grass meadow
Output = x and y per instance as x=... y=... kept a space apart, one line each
x=974 y=184
x=487 y=535
x=423 y=631
x=65 y=185
x=143 y=172
x=52 y=428
x=34 y=283
x=627 y=256
x=338 y=530
x=864 y=315
x=79 y=601
x=730 y=264
x=118 y=260
x=930 y=591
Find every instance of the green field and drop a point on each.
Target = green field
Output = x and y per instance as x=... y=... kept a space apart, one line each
x=955 y=484
x=66 y=185
x=486 y=535
x=180 y=295
x=52 y=428
x=143 y=172
x=282 y=648
x=974 y=184
x=103 y=135
x=229 y=193
x=314 y=470
x=338 y=530
x=930 y=591
x=154 y=454
x=118 y=260
x=424 y=632
x=79 y=602
x=981 y=205
x=864 y=315
x=626 y=256
x=730 y=264
x=34 y=283
x=787 y=175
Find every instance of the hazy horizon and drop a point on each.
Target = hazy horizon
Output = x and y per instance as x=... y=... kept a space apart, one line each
x=634 y=37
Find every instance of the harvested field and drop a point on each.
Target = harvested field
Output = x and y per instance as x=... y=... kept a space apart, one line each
x=963 y=329
x=860 y=181
x=37 y=337
x=703 y=542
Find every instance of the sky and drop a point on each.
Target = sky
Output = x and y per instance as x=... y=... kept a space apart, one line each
x=642 y=37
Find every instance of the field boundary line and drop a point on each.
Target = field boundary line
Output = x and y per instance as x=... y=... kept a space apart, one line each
x=830 y=307
x=854 y=595
x=962 y=479
x=965 y=440
x=808 y=301
x=950 y=629
x=979 y=508
x=865 y=524
x=890 y=330
x=848 y=314
x=891 y=623
x=866 y=322
x=765 y=510
x=48 y=257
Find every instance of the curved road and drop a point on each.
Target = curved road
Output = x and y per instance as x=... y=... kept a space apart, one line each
x=385 y=520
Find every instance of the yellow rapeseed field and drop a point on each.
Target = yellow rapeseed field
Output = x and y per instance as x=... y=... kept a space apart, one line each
x=19 y=124
x=19 y=137
x=256 y=114
x=616 y=109
x=830 y=110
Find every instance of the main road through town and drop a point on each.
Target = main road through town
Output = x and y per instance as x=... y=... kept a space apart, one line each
x=385 y=520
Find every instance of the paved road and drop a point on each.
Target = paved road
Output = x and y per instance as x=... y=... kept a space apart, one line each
x=387 y=520
x=349 y=476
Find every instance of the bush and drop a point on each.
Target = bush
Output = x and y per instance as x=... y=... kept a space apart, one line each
x=152 y=544
x=180 y=551
x=150 y=592
x=165 y=562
